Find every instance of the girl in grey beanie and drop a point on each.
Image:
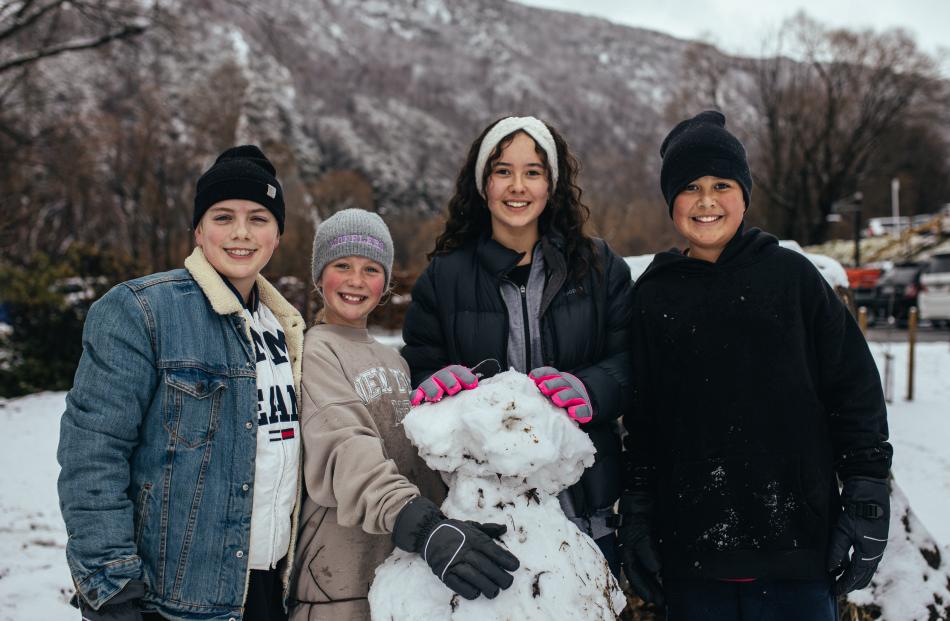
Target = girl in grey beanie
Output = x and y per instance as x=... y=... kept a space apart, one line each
x=367 y=489
x=353 y=232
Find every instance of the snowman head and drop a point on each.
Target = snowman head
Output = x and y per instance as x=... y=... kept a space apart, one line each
x=505 y=428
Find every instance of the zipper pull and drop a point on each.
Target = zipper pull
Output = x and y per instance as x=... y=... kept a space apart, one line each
x=479 y=374
x=523 y=289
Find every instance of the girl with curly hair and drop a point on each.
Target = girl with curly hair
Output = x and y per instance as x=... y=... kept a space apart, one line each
x=515 y=278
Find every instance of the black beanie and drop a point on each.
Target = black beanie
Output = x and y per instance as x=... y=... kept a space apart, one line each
x=698 y=147
x=240 y=172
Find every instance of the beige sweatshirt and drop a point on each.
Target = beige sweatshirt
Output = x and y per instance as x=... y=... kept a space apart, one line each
x=359 y=469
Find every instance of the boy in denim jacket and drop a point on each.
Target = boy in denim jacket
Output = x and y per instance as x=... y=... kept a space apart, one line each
x=180 y=443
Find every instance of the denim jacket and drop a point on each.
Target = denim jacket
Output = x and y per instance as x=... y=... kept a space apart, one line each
x=158 y=443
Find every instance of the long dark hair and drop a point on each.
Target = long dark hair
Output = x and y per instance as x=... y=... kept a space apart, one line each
x=565 y=213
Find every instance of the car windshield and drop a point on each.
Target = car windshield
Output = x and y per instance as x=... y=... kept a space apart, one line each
x=900 y=275
x=940 y=264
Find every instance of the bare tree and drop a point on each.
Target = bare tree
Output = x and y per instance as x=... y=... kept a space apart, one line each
x=703 y=70
x=824 y=112
x=31 y=30
x=341 y=189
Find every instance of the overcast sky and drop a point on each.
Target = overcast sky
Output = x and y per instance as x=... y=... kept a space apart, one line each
x=738 y=26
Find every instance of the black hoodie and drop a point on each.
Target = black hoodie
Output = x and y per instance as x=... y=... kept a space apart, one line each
x=753 y=387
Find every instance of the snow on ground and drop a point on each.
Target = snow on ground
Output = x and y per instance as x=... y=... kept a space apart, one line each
x=35 y=584
x=920 y=432
x=638 y=265
x=391 y=338
x=911 y=582
x=34 y=580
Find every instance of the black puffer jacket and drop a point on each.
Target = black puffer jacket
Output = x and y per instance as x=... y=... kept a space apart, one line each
x=458 y=316
x=753 y=388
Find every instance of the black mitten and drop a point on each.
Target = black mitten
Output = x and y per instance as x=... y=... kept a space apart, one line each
x=462 y=555
x=862 y=525
x=123 y=606
x=641 y=563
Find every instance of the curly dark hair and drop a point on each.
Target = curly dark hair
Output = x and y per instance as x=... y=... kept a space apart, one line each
x=565 y=213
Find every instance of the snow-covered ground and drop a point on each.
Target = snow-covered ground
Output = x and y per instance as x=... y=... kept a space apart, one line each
x=34 y=580
x=35 y=585
x=392 y=338
x=920 y=432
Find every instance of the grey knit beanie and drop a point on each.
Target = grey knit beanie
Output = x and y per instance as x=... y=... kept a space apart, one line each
x=352 y=232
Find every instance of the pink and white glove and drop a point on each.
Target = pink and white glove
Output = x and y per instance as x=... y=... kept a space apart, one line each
x=565 y=391
x=447 y=381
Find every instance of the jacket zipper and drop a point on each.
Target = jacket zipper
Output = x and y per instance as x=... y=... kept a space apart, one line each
x=527 y=329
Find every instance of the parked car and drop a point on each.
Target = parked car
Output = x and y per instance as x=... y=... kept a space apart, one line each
x=887 y=226
x=934 y=297
x=897 y=291
x=863 y=282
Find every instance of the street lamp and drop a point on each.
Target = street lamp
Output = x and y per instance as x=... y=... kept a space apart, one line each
x=851 y=204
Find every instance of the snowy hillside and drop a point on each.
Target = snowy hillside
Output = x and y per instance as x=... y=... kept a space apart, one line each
x=396 y=91
x=34 y=582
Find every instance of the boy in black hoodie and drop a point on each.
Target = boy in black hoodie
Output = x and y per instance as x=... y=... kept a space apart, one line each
x=755 y=393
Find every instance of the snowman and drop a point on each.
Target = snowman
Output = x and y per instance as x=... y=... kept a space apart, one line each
x=505 y=451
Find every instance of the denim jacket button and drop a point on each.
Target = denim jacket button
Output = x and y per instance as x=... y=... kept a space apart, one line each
x=245 y=487
x=248 y=425
x=240 y=554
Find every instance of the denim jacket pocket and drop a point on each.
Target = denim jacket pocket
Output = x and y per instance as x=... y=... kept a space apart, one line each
x=141 y=511
x=192 y=401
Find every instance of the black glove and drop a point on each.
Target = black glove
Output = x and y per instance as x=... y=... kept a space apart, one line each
x=638 y=553
x=461 y=554
x=123 y=606
x=863 y=525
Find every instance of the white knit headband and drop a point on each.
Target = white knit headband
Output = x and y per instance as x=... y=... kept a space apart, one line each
x=530 y=125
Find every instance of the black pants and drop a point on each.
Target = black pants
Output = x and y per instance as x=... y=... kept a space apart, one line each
x=761 y=600
x=264 y=593
x=608 y=547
